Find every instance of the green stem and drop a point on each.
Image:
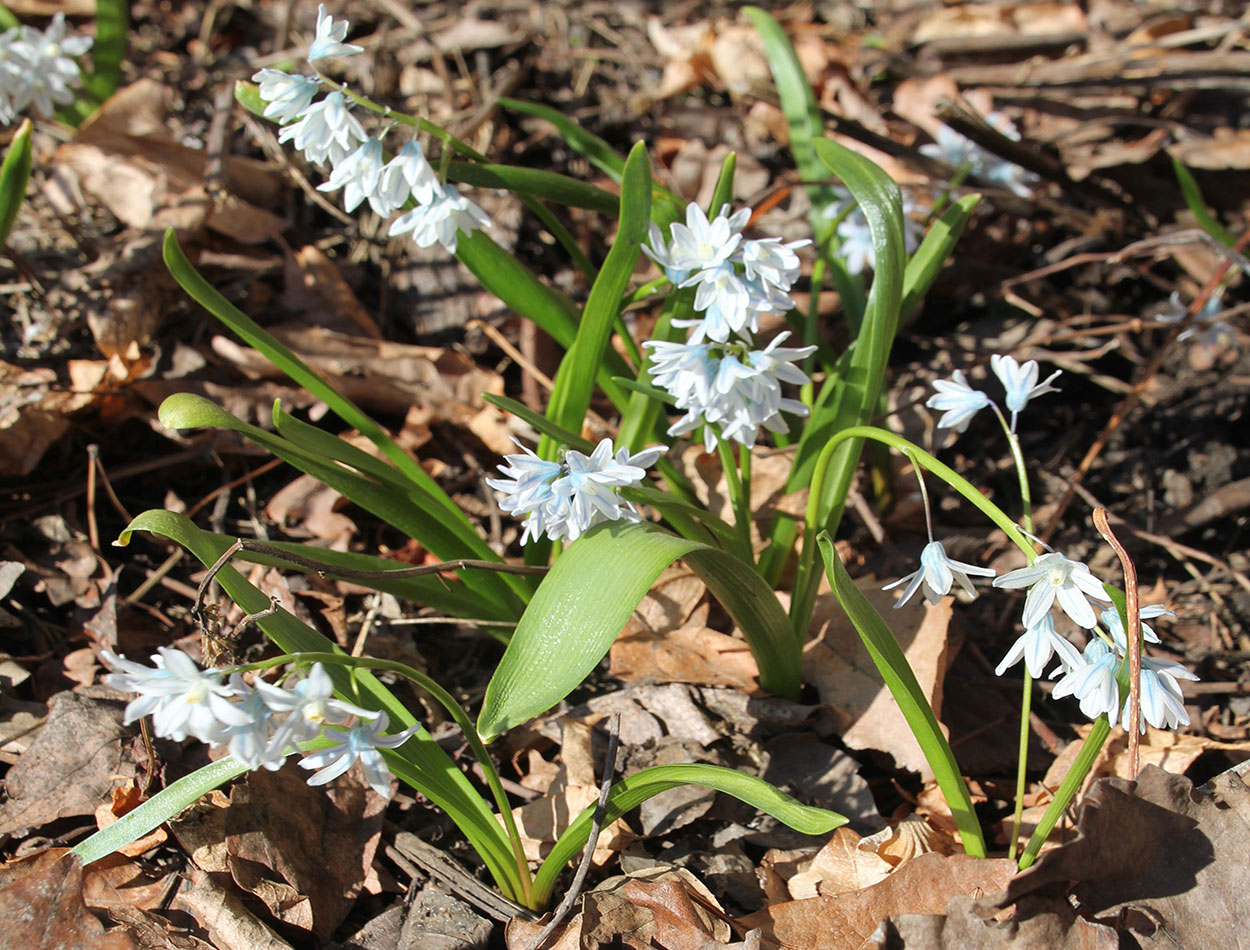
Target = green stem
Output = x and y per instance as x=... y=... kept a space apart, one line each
x=1026 y=702
x=733 y=482
x=1017 y=817
x=1067 y=790
x=457 y=713
x=806 y=582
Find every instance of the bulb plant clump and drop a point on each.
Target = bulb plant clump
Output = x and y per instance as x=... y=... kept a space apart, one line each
x=598 y=521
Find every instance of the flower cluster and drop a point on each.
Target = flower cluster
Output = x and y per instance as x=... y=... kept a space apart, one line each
x=959 y=402
x=261 y=724
x=722 y=381
x=959 y=151
x=1207 y=328
x=326 y=131
x=37 y=68
x=1090 y=675
x=563 y=499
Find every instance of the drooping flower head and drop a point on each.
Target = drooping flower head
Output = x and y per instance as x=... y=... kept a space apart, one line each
x=326 y=131
x=286 y=96
x=957 y=400
x=1038 y=644
x=358 y=742
x=1021 y=383
x=937 y=574
x=441 y=220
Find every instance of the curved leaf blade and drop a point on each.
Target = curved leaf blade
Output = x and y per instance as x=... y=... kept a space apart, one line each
x=631 y=791
x=897 y=673
x=14 y=175
x=590 y=593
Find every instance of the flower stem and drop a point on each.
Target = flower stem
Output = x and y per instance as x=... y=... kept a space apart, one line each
x=1068 y=789
x=737 y=498
x=1026 y=701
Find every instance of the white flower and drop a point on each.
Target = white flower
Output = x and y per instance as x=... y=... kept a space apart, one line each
x=407 y=175
x=772 y=262
x=855 y=245
x=182 y=699
x=953 y=148
x=358 y=173
x=729 y=386
x=286 y=95
x=1053 y=577
x=1020 y=382
x=252 y=742
x=658 y=251
x=329 y=39
x=441 y=220
x=1039 y=643
x=700 y=244
x=564 y=499
x=327 y=130
x=725 y=301
x=957 y=400
x=1162 y=702
x=959 y=150
x=36 y=66
x=1093 y=682
x=360 y=741
x=306 y=707
x=936 y=575
x=1110 y=618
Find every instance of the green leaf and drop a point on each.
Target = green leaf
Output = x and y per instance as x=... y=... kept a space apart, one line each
x=14 y=174
x=631 y=791
x=590 y=593
x=897 y=674
x=1198 y=206
x=320 y=443
x=598 y=152
x=534 y=181
x=158 y=809
x=108 y=51
x=421 y=761
x=541 y=423
x=413 y=511
x=7 y=20
x=802 y=113
x=575 y=380
x=927 y=262
x=247 y=94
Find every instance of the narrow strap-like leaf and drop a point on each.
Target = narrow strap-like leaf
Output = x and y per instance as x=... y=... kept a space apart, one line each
x=14 y=174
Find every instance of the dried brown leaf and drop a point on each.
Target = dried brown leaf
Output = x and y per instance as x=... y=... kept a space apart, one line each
x=71 y=767
x=922 y=886
x=45 y=909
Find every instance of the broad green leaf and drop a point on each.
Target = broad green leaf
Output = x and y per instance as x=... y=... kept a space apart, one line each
x=927 y=262
x=850 y=395
x=631 y=791
x=897 y=674
x=544 y=425
x=575 y=380
x=802 y=113
x=14 y=174
x=414 y=512
x=1198 y=205
x=421 y=761
x=108 y=51
x=590 y=593
x=534 y=181
x=7 y=20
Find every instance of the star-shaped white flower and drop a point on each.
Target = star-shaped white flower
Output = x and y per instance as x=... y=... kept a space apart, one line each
x=1021 y=382
x=957 y=400
x=358 y=742
x=1038 y=644
x=1053 y=577
x=329 y=39
x=286 y=96
x=936 y=575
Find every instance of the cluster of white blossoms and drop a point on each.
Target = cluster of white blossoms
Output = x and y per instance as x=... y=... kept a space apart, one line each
x=959 y=150
x=1090 y=676
x=326 y=131
x=561 y=500
x=719 y=378
x=959 y=402
x=260 y=724
x=37 y=68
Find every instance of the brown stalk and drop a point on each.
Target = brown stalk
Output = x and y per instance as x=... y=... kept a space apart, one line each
x=1132 y=636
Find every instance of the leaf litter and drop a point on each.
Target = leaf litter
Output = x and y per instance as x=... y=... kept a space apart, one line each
x=1157 y=861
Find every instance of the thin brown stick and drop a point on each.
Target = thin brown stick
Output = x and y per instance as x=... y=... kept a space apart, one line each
x=1132 y=635
x=596 y=826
